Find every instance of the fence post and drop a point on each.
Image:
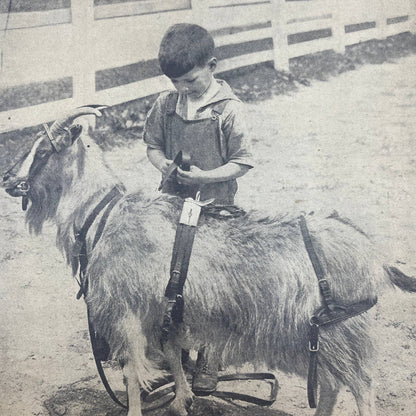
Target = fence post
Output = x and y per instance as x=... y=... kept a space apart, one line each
x=412 y=13
x=279 y=34
x=200 y=9
x=338 y=27
x=83 y=80
x=381 y=20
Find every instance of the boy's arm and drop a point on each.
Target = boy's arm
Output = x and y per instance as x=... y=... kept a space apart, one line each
x=158 y=159
x=153 y=134
x=230 y=170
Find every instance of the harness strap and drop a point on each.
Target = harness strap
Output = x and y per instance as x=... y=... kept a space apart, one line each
x=82 y=233
x=100 y=347
x=181 y=254
x=167 y=386
x=97 y=359
x=342 y=312
x=329 y=313
x=274 y=387
x=79 y=249
x=223 y=212
x=319 y=271
x=80 y=236
x=312 y=384
x=104 y=219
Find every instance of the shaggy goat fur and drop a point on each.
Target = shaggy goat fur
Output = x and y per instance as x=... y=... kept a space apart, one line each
x=250 y=292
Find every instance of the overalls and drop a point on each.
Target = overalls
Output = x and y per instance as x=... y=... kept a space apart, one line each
x=201 y=139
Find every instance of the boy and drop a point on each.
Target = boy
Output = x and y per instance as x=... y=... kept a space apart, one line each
x=203 y=118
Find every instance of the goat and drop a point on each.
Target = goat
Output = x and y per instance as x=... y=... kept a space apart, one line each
x=251 y=288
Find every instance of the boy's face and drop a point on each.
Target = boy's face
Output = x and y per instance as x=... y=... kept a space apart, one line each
x=195 y=82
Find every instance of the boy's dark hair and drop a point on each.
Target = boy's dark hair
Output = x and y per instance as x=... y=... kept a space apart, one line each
x=183 y=47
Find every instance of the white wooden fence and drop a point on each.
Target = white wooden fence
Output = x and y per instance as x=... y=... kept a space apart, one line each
x=89 y=40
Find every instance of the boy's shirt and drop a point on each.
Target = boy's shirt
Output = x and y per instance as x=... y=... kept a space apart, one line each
x=233 y=132
x=188 y=108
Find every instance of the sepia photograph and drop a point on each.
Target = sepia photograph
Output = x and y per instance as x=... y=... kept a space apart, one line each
x=207 y=207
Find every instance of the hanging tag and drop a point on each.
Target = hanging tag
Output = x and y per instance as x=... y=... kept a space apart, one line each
x=190 y=213
x=192 y=209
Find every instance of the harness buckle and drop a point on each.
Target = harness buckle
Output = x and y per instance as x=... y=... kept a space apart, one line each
x=77 y=248
x=314 y=334
x=23 y=187
x=314 y=347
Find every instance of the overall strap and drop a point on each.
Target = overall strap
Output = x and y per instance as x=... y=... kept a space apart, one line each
x=171 y=101
x=218 y=108
x=170 y=110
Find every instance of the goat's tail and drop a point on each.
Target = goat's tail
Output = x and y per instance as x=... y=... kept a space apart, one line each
x=399 y=279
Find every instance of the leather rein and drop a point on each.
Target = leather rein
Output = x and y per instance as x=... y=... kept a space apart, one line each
x=80 y=251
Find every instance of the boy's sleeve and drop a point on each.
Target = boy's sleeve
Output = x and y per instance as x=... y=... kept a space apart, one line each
x=153 y=134
x=236 y=135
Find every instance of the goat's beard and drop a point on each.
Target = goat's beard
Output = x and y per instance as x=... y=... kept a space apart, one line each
x=44 y=203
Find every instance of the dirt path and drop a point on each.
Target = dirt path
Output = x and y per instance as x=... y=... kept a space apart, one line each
x=347 y=144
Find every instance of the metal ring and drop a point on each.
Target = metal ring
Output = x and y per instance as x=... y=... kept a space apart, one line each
x=23 y=186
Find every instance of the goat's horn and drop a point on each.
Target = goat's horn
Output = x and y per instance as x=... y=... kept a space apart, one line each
x=63 y=122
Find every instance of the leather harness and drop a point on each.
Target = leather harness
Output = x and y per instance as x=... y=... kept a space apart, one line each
x=329 y=313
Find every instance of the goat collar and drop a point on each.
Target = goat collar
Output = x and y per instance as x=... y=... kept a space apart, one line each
x=51 y=138
x=82 y=233
x=80 y=246
x=57 y=145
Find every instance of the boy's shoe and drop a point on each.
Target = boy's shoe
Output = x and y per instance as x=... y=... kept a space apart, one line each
x=205 y=377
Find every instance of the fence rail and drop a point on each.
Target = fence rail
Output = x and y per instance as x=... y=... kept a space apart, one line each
x=109 y=51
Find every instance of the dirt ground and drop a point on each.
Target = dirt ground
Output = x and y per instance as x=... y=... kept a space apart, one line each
x=345 y=144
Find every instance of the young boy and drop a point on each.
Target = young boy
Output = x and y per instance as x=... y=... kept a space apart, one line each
x=203 y=118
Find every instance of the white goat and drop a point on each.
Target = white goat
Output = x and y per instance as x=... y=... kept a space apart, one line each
x=251 y=288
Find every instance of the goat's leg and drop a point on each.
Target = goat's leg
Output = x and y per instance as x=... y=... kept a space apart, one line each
x=327 y=399
x=365 y=397
x=133 y=389
x=184 y=396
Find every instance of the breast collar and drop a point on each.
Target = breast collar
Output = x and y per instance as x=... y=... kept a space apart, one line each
x=79 y=249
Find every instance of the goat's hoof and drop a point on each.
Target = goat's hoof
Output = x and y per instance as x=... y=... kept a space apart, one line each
x=188 y=402
x=181 y=406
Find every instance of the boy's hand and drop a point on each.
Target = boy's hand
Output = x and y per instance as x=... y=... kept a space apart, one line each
x=164 y=166
x=192 y=177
